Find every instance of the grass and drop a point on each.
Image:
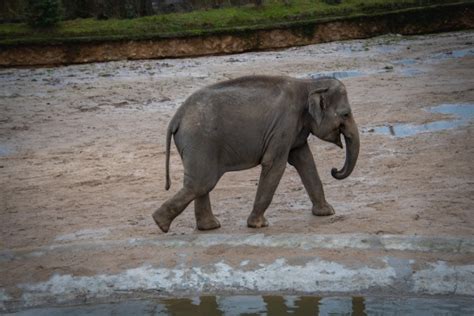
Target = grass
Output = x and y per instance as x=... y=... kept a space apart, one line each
x=201 y=22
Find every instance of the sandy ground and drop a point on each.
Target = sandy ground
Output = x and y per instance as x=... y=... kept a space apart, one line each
x=82 y=147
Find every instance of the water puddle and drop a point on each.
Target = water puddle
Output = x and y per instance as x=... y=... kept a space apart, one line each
x=386 y=49
x=458 y=53
x=407 y=67
x=269 y=305
x=463 y=114
x=405 y=62
x=411 y=72
x=5 y=151
x=408 y=64
x=338 y=74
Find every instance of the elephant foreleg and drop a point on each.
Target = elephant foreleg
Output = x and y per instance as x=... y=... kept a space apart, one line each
x=302 y=159
x=269 y=179
x=204 y=218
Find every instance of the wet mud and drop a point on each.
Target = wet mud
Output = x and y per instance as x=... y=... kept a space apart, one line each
x=82 y=147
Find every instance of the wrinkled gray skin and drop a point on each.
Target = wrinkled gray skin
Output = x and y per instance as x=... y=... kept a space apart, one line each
x=256 y=120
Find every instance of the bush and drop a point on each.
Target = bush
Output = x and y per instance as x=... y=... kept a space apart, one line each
x=333 y=1
x=43 y=13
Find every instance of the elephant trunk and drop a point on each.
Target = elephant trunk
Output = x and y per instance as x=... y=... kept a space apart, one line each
x=351 y=137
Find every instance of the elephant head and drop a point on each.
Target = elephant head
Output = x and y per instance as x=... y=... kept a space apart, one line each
x=331 y=116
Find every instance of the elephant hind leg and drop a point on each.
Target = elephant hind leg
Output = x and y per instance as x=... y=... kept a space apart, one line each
x=197 y=185
x=205 y=220
x=201 y=174
x=172 y=208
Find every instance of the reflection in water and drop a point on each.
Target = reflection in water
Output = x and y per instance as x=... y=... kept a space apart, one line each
x=358 y=306
x=242 y=305
x=204 y=305
x=269 y=305
x=247 y=305
x=302 y=305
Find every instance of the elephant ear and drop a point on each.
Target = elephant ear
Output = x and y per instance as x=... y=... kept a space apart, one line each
x=316 y=104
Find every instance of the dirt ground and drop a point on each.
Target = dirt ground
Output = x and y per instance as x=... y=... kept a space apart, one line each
x=82 y=147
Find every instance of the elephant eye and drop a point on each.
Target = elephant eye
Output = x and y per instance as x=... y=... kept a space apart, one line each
x=346 y=115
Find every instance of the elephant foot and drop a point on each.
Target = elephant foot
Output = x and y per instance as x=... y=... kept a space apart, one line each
x=162 y=220
x=326 y=210
x=208 y=223
x=257 y=222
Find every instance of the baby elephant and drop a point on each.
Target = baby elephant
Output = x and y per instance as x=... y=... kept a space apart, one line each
x=241 y=123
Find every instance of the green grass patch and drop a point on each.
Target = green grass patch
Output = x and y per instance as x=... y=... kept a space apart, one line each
x=202 y=22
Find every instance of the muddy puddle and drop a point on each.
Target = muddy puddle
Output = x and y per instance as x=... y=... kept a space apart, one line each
x=5 y=151
x=408 y=67
x=338 y=74
x=411 y=72
x=457 y=53
x=345 y=74
x=405 y=61
x=269 y=305
x=462 y=115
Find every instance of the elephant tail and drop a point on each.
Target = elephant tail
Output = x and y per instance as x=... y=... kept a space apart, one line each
x=172 y=128
x=168 y=147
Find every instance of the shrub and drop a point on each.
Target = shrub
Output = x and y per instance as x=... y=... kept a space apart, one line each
x=43 y=13
x=333 y=1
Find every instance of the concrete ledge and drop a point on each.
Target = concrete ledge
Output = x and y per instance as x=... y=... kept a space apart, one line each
x=315 y=276
x=288 y=264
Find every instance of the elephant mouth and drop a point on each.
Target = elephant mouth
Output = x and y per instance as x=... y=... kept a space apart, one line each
x=338 y=141
x=335 y=137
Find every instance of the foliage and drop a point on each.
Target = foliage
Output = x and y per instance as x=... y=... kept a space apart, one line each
x=43 y=13
x=273 y=12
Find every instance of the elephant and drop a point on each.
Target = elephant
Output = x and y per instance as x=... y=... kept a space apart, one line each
x=256 y=120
